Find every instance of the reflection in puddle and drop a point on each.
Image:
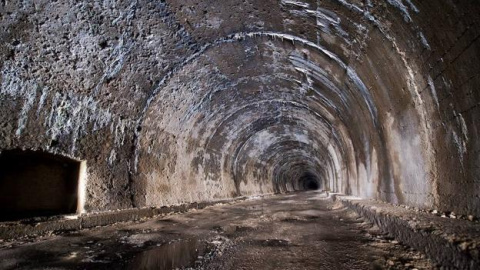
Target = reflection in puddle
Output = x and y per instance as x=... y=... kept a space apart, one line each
x=179 y=254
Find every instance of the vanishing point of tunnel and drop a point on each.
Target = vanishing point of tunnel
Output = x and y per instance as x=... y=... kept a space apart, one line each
x=239 y=134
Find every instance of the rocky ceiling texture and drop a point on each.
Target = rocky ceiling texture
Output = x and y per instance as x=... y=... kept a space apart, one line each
x=182 y=101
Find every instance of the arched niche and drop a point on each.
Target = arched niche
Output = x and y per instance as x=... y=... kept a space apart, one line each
x=37 y=183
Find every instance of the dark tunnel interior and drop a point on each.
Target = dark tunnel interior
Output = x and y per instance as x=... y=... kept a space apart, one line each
x=309 y=181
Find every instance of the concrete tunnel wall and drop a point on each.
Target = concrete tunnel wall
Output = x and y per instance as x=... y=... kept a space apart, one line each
x=182 y=101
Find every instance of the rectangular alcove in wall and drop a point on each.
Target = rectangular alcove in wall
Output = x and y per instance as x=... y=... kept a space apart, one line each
x=35 y=183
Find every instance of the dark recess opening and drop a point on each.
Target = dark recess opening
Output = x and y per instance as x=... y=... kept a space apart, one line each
x=35 y=183
x=309 y=182
x=311 y=185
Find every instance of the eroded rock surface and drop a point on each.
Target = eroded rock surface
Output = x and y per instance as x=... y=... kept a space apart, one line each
x=181 y=101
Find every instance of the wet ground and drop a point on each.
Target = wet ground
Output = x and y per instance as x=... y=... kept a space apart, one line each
x=294 y=231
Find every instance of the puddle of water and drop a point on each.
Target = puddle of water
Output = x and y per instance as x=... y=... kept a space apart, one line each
x=272 y=243
x=179 y=254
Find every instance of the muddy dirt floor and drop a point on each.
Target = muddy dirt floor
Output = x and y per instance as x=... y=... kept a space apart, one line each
x=294 y=231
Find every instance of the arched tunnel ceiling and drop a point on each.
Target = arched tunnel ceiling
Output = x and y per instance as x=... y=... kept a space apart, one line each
x=180 y=101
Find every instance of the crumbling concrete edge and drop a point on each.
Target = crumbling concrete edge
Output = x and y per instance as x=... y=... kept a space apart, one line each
x=436 y=237
x=12 y=230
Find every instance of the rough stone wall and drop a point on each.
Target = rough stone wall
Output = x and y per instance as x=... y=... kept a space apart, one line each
x=181 y=101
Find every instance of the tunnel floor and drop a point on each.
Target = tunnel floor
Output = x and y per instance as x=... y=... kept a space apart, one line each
x=295 y=231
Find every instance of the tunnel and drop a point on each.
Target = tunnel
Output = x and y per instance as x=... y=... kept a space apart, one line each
x=123 y=106
x=308 y=181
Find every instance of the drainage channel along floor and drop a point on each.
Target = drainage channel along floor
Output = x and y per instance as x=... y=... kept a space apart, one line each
x=294 y=231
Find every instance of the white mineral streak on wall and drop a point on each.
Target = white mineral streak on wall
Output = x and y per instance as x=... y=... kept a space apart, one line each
x=120 y=53
x=412 y=6
x=350 y=72
x=43 y=98
x=424 y=41
x=431 y=84
x=460 y=141
x=397 y=4
x=402 y=8
x=325 y=19
x=365 y=93
x=460 y=145
x=295 y=3
x=112 y=157
x=357 y=9
x=69 y=114
x=310 y=69
x=14 y=86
